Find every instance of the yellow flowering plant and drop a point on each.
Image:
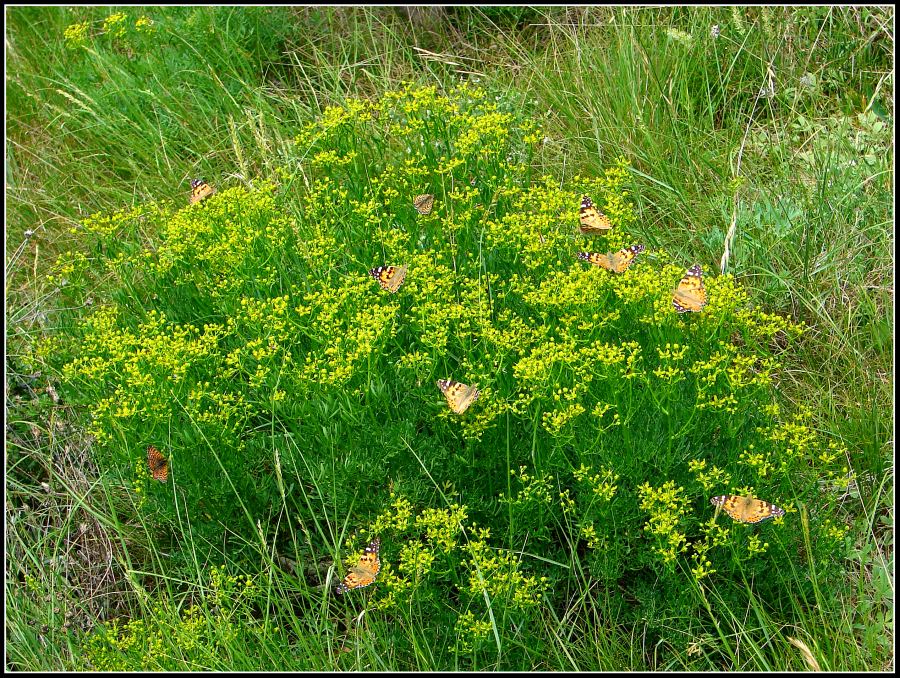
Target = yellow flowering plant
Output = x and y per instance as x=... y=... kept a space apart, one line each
x=253 y=342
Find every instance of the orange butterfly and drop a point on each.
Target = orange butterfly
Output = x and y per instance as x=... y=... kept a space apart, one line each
x=459 y=396
x=423 y=203
x=200 y=190
x=690 y=295
x=159 y=467
x=364 y=573
x=617 y=262
x=747 y=509
x=592 y=220
x=389 y=277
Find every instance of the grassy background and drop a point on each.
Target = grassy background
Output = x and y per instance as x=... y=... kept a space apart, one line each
x=765 y=151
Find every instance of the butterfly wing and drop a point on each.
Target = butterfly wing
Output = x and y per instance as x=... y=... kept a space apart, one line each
x=390 y=277
x=592 y=220
x=159 y=466
x=424 y=203
x=459 y=396
x=747 y=509
x=603 y=260
x=364 y=573
x=690 y=295
x=200 y=190
x=617 y=262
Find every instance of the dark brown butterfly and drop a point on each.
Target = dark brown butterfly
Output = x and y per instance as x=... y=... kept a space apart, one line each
x=159 y=467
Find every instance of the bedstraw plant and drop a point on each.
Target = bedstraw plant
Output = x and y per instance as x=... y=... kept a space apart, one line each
x=295 y=401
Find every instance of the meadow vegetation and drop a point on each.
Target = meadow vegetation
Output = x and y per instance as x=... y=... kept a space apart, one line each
x=564 y=520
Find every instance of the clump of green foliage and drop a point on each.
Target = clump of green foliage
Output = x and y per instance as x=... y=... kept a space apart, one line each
x=245 y=339
x=203 y=633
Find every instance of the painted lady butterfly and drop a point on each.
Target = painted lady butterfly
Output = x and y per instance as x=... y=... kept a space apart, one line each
x=459 y=396
x=363 y=574
x=592 y=220
x=747 y=509
x=200 y=190
x=617 y=262
x=690 y=295
x=389 y=277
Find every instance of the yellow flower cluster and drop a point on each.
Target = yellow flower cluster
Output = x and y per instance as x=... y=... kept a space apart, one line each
x=144 y=24
x=667 y=507
x=470 y=631
x=415 y=561
x=555 y=420
x=602 y=484
x=702 y=564
x=589 y=534
x=76 y=35
x=114 y=25
x=708 y=478
x=535 y=489
x=442 y=526
x=395 y=518
x=496 y=573
x=761 y=462
x=794 y=438
x=145 y=366
x=68 y=265
x=348 y=337
x=192 y=632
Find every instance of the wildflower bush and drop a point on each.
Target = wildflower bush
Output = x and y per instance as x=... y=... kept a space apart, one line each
x=142 y=37
x=117 y=31
x=296 y=401
x=202 y=634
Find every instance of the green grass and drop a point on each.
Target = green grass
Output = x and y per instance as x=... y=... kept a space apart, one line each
x=296 y=400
